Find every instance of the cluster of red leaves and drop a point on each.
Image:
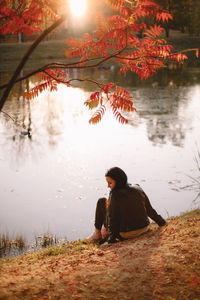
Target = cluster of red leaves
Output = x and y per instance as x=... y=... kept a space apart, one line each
x=50 y=80
x=117 y=36
x=25 y=15
x=34 y=92
x=118 y=98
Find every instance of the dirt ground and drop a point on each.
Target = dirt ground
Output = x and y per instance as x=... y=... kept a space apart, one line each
x=161 y=264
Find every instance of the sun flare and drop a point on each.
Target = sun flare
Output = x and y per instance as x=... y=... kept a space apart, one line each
x=77 y=7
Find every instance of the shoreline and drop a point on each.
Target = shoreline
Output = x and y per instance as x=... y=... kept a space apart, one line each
x=19 y=244
x=162 y=264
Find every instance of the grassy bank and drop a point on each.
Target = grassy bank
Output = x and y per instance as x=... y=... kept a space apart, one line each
x=53 y=51
x=162 y=264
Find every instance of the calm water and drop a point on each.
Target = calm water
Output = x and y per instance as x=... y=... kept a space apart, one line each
x=53 y=162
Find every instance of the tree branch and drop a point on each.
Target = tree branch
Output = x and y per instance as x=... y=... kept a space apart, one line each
x=77 y=64
x=74 y=79
x=7 y=115
x=66 y=66
x=25 y=58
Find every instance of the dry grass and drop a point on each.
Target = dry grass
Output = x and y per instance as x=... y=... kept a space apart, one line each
x=11 y=246
x=162 y=264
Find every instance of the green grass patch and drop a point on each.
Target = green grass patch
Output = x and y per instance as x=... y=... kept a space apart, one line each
x=69 y=248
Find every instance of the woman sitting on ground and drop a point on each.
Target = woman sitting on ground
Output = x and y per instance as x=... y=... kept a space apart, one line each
x=125 y=213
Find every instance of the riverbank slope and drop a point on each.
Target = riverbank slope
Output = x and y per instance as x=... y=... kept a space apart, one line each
x=162 y=264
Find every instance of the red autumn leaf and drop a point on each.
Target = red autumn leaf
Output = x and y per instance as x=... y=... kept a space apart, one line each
x=107 y=87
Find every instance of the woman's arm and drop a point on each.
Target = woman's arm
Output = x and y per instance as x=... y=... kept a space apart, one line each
x=151 y=212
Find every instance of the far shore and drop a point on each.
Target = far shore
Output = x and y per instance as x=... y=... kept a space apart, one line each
x=53 y=51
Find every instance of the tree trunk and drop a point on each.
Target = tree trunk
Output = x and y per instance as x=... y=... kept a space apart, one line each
x=19 y=37
x=182 y=29
x=167 y=32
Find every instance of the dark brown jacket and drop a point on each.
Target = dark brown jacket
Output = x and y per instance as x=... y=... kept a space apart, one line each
x=129 y=210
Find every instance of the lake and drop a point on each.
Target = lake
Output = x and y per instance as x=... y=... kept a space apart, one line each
x=53 y=161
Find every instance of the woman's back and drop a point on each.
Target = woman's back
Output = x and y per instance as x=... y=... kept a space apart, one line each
x=128 y=205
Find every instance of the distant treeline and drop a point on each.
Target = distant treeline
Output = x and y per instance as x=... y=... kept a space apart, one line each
x=186 y=15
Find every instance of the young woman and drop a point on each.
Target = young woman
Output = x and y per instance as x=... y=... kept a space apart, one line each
x=125 y=213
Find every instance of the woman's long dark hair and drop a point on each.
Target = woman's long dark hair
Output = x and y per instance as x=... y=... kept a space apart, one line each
x=119 y=176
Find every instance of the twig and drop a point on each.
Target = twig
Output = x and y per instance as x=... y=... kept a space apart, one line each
x=73 y=79
x=7 y=115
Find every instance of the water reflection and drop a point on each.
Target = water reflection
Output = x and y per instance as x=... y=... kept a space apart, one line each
x=165 y=113
x=53 y=162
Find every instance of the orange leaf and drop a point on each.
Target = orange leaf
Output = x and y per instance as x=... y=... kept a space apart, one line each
x=107 y=87
x=98 y=115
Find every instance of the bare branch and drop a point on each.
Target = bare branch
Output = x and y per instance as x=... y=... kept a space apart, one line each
x=74 y=79
x=7 y=115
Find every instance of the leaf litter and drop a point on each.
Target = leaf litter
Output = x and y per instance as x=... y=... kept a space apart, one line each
x=161 y=264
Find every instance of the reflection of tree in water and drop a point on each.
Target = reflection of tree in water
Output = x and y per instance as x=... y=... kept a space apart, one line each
x=53 y=120
x=17 y=107
x=17 y=135
x=158 y=104
x=36 y=122
x=160 y=133
x=160 y=108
